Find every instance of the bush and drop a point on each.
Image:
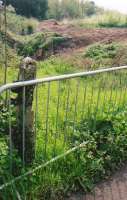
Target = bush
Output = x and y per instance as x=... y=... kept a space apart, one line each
x=106 y=148
x=3 y=118
x=41 y=41
x=100 y=51
x=29 y=29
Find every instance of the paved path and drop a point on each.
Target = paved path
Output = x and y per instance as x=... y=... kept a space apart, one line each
x=113 y=189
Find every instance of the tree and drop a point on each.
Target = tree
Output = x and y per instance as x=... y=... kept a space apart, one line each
x=54 y=9
x=89 y=8
x=30 y=8
x=64 y=8
x=70 y=8
x=60 y=9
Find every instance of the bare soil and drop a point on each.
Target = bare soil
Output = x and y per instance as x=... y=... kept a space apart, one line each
x=81 y=37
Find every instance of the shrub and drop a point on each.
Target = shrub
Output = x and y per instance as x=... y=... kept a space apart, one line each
x=30 y=29
x=3 y=118
x=102 y=51
x=41 y=41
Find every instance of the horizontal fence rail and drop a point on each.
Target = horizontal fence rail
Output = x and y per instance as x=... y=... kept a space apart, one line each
x=57 y=78
x=63 y=108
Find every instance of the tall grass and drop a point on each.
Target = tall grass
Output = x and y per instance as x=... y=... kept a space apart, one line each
x=18 y=24
x=91 y=110
x=109 y=19
x=95 y=113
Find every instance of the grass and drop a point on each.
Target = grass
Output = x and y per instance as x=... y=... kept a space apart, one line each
x=18 y=32
x=105 y=55
x=108 y=19
x=94 y=57
x=102 y=125
x=91 y=110
x=18 y=24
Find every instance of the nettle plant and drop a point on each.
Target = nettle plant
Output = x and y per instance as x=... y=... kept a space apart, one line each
x=4 y=114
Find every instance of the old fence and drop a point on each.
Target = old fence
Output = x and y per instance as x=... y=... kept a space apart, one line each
x=41 y=118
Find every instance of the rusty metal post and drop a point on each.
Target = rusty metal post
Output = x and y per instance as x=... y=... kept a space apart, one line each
x=23 y=133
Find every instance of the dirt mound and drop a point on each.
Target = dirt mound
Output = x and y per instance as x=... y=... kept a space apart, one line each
x=46 y=24
x=80 y=37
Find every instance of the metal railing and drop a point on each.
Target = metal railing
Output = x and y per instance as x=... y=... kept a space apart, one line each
x=62 y=104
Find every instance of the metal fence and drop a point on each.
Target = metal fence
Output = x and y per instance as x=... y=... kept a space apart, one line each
x=63 y=106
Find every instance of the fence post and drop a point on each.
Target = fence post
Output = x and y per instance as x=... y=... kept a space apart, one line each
x=23 y=134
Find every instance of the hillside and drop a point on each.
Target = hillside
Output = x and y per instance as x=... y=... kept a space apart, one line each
x=29 y=37
x=83 y=119
x=80 y=37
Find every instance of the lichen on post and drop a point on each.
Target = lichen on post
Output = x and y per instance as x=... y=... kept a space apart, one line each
x=23 y=134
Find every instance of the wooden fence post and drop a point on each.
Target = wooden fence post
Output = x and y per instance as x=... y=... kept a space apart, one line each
x=23 y=137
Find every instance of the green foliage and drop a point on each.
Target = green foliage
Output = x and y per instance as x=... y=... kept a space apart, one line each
x=30 y=8
x=112 y=19
x=3 y=118
x=107 y=19
x=41 y=41
x=102 y=51
x=54 y=66
x=71 y=9
x=17 y=23
x=105 y=136
x=105 y=55
x=89 y=8
x=107 y=145
x=54 y=10
x=13 y=61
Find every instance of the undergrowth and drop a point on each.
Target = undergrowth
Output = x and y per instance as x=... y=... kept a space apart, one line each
x=41 y=43
x=101 y=126
x=18 y=24
x=105 y=55
x=108 y=19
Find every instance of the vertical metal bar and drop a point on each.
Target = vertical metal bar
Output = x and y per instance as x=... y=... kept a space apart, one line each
x=97 y=104
x=47 y=119
x=84 y=101
x=23 y=125
x=125 y=89
x=111 y=93
x=57 y=116
x=10 y=131
x=103 y=94
x=66 y=113
x=120 y=89
x=75 y=106
x=116 y=92
x=91 y=99
x=104 y=99
x=36 y=115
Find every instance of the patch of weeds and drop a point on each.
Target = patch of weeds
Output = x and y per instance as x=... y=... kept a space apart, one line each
x=102 y=51
x=107 y=146
x=55 y=66
x=41 y=41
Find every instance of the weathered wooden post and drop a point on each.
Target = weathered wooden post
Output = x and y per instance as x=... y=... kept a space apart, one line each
x=23 y=134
